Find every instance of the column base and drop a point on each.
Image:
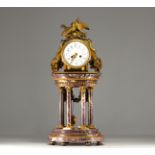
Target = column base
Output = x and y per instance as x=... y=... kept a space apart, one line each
x=77 y=136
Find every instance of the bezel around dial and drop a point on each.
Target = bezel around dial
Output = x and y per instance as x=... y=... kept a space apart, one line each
x=67 y=43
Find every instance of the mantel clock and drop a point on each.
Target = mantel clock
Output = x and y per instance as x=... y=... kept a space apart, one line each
x=76 y=66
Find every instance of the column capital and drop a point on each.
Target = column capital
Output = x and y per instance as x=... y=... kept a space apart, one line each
x=83 y=89
x=68 y=88
x=91 y=88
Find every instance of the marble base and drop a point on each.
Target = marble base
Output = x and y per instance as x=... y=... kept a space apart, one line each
x=77 y=136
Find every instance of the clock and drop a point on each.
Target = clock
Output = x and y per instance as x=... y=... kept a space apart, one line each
x=75 y=65
x=75 y=54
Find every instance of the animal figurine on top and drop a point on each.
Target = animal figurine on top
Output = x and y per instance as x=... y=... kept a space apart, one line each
x=75 y=30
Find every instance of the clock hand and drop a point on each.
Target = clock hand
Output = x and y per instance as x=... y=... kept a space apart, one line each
x=73 y=57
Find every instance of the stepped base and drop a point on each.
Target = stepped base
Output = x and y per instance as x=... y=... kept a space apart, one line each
x=77 y=136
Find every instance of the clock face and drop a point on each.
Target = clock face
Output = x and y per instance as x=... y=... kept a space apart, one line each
x=76 y=54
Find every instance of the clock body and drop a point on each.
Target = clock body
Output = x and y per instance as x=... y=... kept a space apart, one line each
x=75 y=65
x=76 y=54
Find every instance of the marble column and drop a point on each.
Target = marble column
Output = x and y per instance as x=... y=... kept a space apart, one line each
x=83 y=104
x=90 y=107
x=69 y=106
x=61 y=107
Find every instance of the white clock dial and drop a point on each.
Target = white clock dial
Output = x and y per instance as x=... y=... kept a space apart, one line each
x=76 y=54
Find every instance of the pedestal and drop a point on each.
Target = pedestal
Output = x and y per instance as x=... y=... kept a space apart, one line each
x=67 y=131
x=76 y=136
